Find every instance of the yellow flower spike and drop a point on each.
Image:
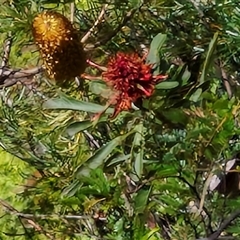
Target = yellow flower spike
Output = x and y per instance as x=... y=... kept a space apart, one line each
x=59 y=44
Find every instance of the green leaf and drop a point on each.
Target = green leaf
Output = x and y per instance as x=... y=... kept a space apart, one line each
x=175 y=115
x=118 y=226
x=171 y=201
x=77 y=127
x=221 y=104
x=138 y=226
x=135 y=3
x=196 y=95
x=150 y=234
x=71 y=189
x=100 y=156
x=69 y=103
x=167 y=171
x=100 y=88
x=167 y=85
x=208 y=61
x=141 y=200
x=185 y=77
x=156 y=44
x=138 y=150
x=118 y=159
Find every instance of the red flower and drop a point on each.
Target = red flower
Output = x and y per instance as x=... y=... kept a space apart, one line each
x=131 y=78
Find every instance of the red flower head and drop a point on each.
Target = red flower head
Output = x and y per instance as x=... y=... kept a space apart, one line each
x=131 y=78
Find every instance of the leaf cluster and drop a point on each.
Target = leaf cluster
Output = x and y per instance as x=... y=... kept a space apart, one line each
x=149 y=173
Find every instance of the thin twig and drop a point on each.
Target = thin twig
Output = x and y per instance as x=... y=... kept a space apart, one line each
x=93 y=64
x=91 y=78
x=91 y=139
x=6 y=53
x=8 y=208
x=99 y=19
x=165 y=229
x=72 y=9
x=22 y=73
x=51 y=216
x=224 y=225
x=225 y=79
x=194 y=191
x=10 y=77
x=197 y=7
x=127 y=17
x=5 y=57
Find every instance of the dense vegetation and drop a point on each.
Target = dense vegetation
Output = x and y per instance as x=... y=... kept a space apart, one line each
x=166 y=167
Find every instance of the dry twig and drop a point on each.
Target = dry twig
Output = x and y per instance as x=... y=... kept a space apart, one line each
x=9 y=209
x=10 y=77
x=99 y=19
x=72 y=9
x=223 y=226
x=126 y=18
x=6 y=53
x=225 y=79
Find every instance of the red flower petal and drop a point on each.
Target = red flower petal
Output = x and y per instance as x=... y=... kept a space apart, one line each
x=131 y=78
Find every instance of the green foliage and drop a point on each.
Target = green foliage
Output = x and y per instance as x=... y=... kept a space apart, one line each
x=136 y=176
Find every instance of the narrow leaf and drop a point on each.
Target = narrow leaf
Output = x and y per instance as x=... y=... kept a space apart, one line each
x=138 y=150
x=185 y=77
x=175 y=115
x=119 y=159
x=77 y=127
x=156 y=44
x=208 y=61
x=150 y=234
x=141 y=200
x=100 y=156
x=71 y=189
x=66 y=102
x=167 y=85
x=196 y=95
